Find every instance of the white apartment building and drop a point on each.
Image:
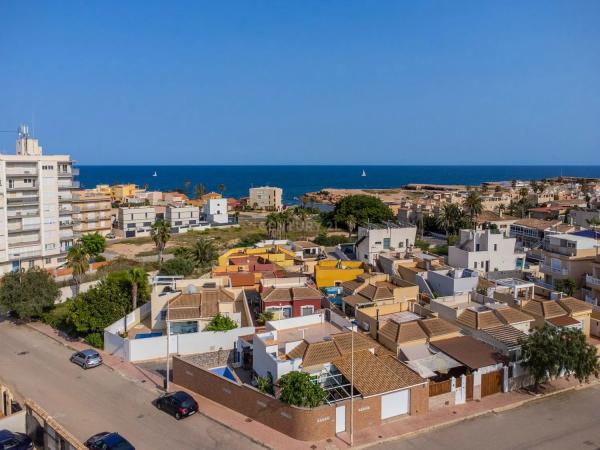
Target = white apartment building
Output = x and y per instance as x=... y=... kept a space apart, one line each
x=215 y=211
x=377 y=238
x=485 y=251
x=182 y=217
x=36 y=227
x=266 y=197
x=135 y=221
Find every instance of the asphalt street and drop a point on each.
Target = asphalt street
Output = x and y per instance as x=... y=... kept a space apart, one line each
x=89 y=401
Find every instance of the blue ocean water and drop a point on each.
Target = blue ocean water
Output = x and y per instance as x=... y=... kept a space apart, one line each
x=297 y=180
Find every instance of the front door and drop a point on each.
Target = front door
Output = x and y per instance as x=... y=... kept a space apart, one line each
x=340 y=419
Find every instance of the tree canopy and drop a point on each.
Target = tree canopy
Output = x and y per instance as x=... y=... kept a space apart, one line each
x=220 y=322
x=550 y=351
x=94 y=310
x=298 y=389
x=359 y=209
x=27 y=294
x=93 y=244
x=177 y=266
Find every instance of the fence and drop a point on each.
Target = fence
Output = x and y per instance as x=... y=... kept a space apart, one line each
x=443 y=387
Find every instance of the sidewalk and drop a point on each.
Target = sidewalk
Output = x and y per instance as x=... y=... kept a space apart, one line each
x=270 y=438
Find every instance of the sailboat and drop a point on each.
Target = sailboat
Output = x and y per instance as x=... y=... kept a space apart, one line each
x=364 y=174
x=155 y=174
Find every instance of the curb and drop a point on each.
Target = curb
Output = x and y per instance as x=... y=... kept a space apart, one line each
x=449 y=423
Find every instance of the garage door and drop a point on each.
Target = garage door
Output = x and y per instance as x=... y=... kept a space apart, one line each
x=395 y=404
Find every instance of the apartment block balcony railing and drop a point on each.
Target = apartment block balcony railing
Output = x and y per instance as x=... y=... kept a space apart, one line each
x=29 y=213
x=21 y=171
x=17 y=254
x=591 y=280
x=21 y=228
x=546 y=268
x=20 y=188
x=71 y=185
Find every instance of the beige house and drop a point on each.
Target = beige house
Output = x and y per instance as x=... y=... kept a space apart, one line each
x=567 y=256
x=91 y=213
x=266 y=197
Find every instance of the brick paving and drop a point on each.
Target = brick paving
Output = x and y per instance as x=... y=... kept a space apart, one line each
x=268 y=437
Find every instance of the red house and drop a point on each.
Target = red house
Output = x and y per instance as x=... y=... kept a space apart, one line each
x=291 y=301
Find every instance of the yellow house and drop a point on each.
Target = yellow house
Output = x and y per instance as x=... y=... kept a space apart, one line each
x=119 y=192
x=272 y=253
x=329 y=273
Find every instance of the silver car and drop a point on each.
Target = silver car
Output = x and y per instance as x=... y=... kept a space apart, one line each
x=87 y=358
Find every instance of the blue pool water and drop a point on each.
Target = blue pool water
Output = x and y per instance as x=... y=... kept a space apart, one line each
x=147 y=335
x=224 y=372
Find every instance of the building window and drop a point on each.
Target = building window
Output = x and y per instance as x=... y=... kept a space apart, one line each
x=386 y=243
x=48 y=260
x=475 y=265
x=163 y=314
x=495 y=247
x=307 y=310
x=11 y=184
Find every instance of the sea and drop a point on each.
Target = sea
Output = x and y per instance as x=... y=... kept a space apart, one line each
x=297 y=180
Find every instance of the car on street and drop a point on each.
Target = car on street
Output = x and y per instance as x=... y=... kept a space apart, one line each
x=179 y=404
x=14 y=441
x=87 y=358
x=108 y=441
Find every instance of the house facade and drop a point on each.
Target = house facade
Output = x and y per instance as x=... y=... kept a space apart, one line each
x=374 y=239
x=135 y=221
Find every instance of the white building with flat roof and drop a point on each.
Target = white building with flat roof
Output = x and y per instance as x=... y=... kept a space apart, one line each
x=36 y=226
x=182 y=217
x=485 y=251
x=266 y=197
x=215 y=211
x=377 y=238
x=135 y=221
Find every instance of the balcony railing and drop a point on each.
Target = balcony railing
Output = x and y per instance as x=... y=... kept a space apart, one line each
x=592 y=280
x=21 y=171
x=14 y=214
x=546 y=268
x=19 y=228
x=16 y=254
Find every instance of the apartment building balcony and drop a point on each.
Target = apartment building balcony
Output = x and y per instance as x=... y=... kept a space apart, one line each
x=26 y=213
x=72 y=172
x=65 y=234
x=592 y=281
x=90 y=208
x=16 y=253
x=24 y=241
x=72 y=185
x=64 y=211
x=28 y=200
x=21 y=171
x=66 y=224
x=65 y=198
x=19 y=228
x=546 y=268
x=22 y=187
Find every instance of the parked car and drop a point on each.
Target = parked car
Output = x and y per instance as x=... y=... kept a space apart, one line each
x=111 y=236
x=87 y=358
x=108 y=441
x=179 y=404
x=14 y=441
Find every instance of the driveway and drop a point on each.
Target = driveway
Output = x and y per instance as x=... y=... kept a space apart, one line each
x=87 y=402
x=564 y=421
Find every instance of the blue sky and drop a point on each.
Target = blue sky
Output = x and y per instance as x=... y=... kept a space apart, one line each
x=304 y=82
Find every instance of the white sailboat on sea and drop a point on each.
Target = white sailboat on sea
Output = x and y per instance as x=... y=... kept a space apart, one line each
x=364 y=174
x=155 y=174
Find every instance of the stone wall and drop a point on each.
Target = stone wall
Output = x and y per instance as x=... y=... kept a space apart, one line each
x=442 y=401
x=209 y=360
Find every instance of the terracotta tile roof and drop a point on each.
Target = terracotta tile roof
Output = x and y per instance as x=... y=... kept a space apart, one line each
x=239 y=279
x=487 y=319
x=184 y=313
x=343 y=341
x=510 y=315
x=298 y=351
x=198 y=305
x=373 y=375
x=506 y=334
x=303 y=293
x=437 y=327
x=537 y=223
x=389 y=330
x=356 y=299
x=575 y=306
x=352 y=285
x=544 y=308
x=468 y=351
x=276 y=295
x=468 y=318
x=562 y=321
x=491 y=216
x=410 y=332
x=320 y=353
x=374 y=292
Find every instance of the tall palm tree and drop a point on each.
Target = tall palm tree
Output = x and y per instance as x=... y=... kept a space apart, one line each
x=199 y=190
x=221 y=188
x=160 y=233
x=286 y=220
x=523 y=193
x=272 y=224
x=302 y=216
x=203 y=252
x=78 y=262
x=136 y=276
x=450 y=218
x=474 y=204
x=351 y=224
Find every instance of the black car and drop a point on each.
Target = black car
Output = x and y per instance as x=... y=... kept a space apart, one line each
x=178 y=404
x=108 y=441
x=14 y=441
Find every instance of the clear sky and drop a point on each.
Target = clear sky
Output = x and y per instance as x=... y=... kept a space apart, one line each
x=304 y=82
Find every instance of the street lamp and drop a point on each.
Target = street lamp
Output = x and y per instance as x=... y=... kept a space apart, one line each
x=352 y=328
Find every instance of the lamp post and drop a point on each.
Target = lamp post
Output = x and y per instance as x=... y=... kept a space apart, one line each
x=352 y=327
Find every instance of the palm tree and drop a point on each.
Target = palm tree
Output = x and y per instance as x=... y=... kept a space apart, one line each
x=351 y=224
x=450 y=218
x=474 y=204
x=221 y=188
x=302 y=216
x=203 y=252
x=199 y=190
x=272 y=224
x=523 y=193
x=286 y=220
x=136 y=276
x=78 y=262
x=160 y=233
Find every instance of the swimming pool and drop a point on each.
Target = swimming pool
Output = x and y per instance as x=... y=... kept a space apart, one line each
x=223 y=372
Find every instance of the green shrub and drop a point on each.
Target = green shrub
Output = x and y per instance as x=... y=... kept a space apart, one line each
x=332 y=240
x=220 y=323
x=177 y=266
x=99 y=258
x=95 y=340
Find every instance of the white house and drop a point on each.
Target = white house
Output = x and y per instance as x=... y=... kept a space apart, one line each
x=485 y=251
x=182 y=217
x=215 y=211
x=376 y=238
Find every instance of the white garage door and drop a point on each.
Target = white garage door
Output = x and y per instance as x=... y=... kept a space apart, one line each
x=395 y=404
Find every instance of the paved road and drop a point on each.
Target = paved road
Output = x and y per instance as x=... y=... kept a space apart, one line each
x=566 y=421
x=87 y=402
